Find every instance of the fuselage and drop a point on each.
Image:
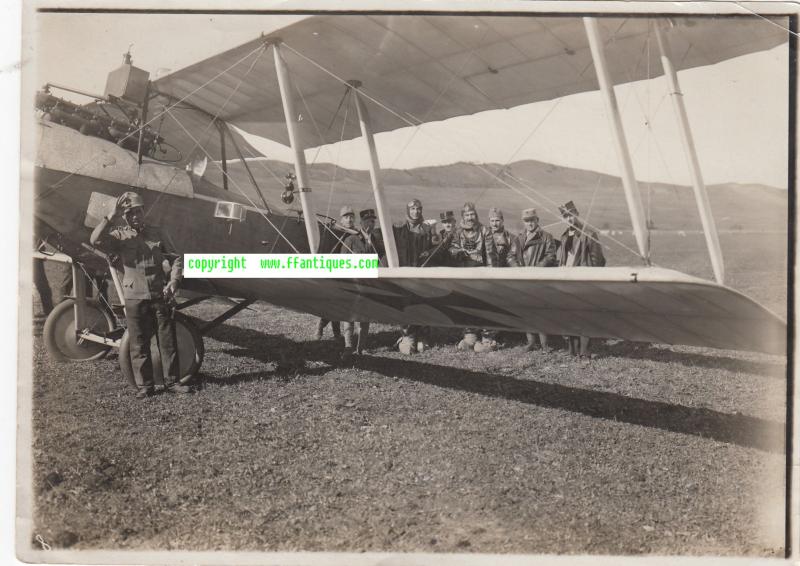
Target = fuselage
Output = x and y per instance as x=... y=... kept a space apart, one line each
x=70 y=167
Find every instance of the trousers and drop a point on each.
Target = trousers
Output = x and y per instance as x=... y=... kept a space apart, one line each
x=42 y=285
x=335 y=327
x=97 y=280
x=360 y=336
x=147 y=318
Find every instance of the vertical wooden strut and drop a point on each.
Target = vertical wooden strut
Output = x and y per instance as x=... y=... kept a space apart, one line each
x=223 y=156
x=374 y=173
x=285 y=85
x=700 y=193
x=629 y=184
x=142 y=122
x=79 y=291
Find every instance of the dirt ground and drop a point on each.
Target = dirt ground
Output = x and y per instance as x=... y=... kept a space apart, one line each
x=647 y=449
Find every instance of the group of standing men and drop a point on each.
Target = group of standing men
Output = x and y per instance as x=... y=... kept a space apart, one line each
x=467 y=243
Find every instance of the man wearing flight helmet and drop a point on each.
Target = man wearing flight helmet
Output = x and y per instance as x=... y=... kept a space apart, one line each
x=414 y=240
x=504 y=241
x=474 y=246
x=142 y=252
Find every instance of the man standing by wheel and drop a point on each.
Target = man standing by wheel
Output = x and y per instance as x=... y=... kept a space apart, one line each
x=146 y=293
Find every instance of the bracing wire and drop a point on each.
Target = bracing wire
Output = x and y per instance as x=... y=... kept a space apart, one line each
x=339 y=155
x=453 y=76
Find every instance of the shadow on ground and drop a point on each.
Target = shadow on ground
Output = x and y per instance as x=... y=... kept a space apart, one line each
x=737 y=429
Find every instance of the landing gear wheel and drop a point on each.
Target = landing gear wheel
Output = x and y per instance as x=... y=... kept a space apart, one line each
x=59 y=332
x=190 y=352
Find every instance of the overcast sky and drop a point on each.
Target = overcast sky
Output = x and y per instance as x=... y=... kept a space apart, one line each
x=737 y=108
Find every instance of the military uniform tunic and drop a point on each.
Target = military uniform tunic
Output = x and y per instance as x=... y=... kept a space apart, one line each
x=142 y=254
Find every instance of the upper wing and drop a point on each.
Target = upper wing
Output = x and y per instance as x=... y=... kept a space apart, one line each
x=429 y=68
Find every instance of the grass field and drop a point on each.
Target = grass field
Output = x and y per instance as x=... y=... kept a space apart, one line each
x=647 y=449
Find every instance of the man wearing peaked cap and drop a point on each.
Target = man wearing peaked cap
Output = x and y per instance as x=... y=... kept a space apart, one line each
x=568 y=208
x=535 y=248
x=579 y=247
x=439 y=254
x=414 y=240
x=365 y=241
x=331 y=242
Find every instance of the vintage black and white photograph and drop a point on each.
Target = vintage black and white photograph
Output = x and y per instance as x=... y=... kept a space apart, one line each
x=571 y=335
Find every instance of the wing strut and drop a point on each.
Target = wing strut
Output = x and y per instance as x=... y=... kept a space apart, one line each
x=374 y=175
x=246 y=166
x=700 y=193
x=285 y=85
x=223 y=156
x=629 y=184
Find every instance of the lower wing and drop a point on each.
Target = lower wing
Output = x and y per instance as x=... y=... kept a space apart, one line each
x=639 y=304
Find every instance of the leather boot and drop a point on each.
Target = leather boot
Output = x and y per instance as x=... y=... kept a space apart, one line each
x=468 y=342
x=363 y=332
x=485 y=345
x=406 y=345
x=321 y=323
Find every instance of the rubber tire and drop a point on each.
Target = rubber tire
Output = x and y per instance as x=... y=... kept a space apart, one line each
x=60 y=326
x=187 y=334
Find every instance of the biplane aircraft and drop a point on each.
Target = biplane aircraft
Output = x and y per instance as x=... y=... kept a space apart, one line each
x=159 y=135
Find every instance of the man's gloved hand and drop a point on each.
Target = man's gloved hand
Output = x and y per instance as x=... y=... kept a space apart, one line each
x=169 y=291
x=117 y=210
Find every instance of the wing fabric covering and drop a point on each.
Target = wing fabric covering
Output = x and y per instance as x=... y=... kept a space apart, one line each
x=435 y=67
x=648 y=304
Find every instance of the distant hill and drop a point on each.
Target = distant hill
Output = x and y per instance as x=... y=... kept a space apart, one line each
x=736 y=207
